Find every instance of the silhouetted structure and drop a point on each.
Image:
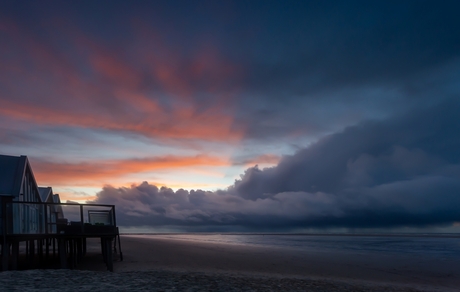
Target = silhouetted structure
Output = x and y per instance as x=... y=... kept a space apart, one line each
x=34 y=216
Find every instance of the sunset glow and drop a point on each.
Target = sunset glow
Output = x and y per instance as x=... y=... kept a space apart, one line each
x=253 y=115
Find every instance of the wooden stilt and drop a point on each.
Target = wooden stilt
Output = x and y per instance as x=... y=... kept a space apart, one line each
x=75 y=253
x=47 y=248
x=109 y=259
x=54 y=247
x=119 y=248
x=71 y=254
x=103 y=250
x=15 y=255
x=62 y=251
x=79 y=248
x=5 y=255
x=84 y=246
x=31 y=253
x=40 y=251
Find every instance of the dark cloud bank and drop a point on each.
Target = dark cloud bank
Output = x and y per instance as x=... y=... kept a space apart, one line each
x=403 y=171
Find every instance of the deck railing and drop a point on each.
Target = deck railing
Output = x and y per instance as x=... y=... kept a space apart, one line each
x=24 y=218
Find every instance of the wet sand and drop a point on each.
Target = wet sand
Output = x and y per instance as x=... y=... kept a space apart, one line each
x=162 y=253
x=165 y=264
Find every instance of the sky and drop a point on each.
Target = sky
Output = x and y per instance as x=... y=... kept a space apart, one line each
x=239 y=115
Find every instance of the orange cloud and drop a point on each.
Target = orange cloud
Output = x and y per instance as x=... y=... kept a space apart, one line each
x=64 y=196
x=108 y=171
x=205 y=125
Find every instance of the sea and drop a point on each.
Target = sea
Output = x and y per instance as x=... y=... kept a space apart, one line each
x=429 y=245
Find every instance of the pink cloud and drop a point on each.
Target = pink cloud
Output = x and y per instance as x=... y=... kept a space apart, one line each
x=114 y=94
x=103 y=171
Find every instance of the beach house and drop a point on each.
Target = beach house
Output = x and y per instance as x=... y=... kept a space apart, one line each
x=35 y=217
x=17 y=184
x=54 y=208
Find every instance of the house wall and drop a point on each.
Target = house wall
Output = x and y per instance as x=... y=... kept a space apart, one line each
x=52 y=218
x=4 y=199
x=19 y=185
x=1 y=215
x=28 y=218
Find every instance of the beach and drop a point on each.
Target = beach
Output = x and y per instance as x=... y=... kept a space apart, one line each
x=178 y=263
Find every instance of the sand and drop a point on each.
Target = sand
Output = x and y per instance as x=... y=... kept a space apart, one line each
x=164 y=264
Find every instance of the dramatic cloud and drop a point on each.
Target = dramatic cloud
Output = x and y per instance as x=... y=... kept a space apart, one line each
x=403 y=171
x=354 y=102
x=97 y=171
x=149 y=93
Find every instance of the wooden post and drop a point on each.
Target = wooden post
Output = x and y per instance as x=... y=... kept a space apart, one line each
x=79 y=248
x=75 y=252
x=62 y=250
x=109 y=259
x=40 y=251
x=81 y=219
x=54 y=247
x=71 y=254
x=31 y=252
x=103 y=250
x=47 y=248
x=119 y=246
x=5 y=255
x=15 y=255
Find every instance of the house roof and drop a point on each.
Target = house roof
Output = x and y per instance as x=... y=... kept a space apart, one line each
x=58 y=208
x=12 y=170
x=56 y=198
x=45 y=192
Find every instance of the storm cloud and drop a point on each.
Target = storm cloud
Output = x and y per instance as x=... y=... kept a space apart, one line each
x=401 y=171
x=352 y=105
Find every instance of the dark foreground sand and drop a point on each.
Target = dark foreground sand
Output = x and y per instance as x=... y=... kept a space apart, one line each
x=161 y=264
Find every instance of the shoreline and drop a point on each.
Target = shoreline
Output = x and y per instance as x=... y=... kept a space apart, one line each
x=158 y=261
x=421 y=235
x=184 y=255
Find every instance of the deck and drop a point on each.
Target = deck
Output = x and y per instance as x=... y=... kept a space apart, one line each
x=46 y=237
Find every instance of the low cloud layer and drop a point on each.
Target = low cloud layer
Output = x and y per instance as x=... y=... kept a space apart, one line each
x=191 y=95
x=402 y=171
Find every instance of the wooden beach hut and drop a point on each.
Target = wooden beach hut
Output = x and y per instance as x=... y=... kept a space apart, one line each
x=35 y=215
x=17 y=184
